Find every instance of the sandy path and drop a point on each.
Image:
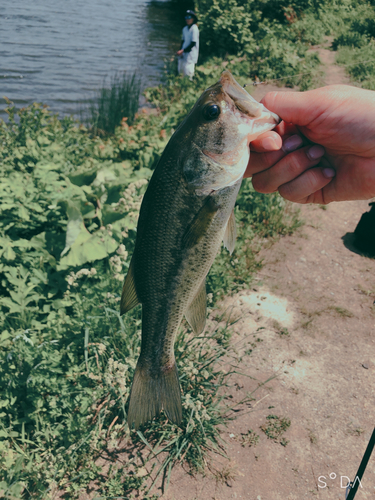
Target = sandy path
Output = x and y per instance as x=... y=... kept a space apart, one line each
x=321 y=350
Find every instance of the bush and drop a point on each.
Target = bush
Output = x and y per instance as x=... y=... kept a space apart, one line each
x=358 y=27
x=359 y=63
x=227 y=27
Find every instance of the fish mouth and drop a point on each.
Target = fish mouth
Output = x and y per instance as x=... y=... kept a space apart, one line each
x=245 y=102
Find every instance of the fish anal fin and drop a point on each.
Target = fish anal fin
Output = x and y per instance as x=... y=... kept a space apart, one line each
x=129 y=297
x=149 y=395
x=196 y=314
x=201 y=222
x=230 y=234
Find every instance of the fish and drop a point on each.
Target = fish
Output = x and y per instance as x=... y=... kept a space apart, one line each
x=186 y=212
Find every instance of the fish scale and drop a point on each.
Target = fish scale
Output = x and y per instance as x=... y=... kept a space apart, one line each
x=186 y=213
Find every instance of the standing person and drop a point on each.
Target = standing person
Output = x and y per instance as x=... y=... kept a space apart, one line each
x=188 y=54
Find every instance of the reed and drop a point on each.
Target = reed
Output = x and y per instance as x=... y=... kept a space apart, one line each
x=111 y=104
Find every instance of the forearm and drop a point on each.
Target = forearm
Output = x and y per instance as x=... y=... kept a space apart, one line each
x=189 y=47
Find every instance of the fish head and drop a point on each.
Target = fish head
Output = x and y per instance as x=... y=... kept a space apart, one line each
x=221 y=125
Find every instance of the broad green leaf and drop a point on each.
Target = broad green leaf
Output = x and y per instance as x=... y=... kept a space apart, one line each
x=96 y=247
x=76 y=230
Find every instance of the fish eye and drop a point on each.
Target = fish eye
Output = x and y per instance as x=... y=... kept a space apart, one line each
x=211 y=112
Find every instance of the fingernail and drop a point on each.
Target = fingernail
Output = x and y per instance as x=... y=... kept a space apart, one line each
x=329 y=172
x=293 y=142
x=269 y=144
x=315 y=152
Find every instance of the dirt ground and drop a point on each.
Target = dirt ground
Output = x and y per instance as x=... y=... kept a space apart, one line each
x=310 y=324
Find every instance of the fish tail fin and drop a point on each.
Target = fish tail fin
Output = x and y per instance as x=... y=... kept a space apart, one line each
x=149 y=395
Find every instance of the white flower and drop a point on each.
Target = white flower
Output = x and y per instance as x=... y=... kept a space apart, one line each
x=121 y=250
x=70 y=279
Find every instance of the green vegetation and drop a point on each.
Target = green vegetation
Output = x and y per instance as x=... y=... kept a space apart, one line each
x=111 y=104
x=270 y=37
x=69 y=205
x=355 y=43
x=275 y=427
x=251 y=438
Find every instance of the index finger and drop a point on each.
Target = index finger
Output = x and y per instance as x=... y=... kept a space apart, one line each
x=262 y=161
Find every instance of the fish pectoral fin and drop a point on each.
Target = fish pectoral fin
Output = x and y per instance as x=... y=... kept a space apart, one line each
x=230 y=234
x=196 y=314
x=149 y=395
x=129 y=297
x=200 y=223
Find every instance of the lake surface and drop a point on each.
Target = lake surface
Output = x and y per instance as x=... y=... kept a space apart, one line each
x=59 y=51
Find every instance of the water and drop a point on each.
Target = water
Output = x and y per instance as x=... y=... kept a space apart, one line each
x=59 y=51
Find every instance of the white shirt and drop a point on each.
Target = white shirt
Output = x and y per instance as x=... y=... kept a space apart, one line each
x=188 y=36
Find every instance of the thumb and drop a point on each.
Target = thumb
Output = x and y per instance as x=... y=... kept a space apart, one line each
x=292 y=107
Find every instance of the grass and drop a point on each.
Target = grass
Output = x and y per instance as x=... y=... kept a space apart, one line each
x=341 y=311
x=113 y=103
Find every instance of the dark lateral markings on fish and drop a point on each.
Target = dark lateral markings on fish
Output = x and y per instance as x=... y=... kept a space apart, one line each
x=186 y=212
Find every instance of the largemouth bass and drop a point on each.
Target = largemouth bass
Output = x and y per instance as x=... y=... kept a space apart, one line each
x=186 y=212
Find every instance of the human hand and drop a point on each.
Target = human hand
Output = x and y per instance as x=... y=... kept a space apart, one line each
x=179 y=52
x=340 y=119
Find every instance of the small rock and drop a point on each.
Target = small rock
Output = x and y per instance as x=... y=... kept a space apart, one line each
x=365 y=366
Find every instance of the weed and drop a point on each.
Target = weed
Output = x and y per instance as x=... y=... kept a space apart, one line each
x=355 y=431
x=341 y=311
x=227 y=474
x=313 y=439
x=251 y=438
x=275 y=427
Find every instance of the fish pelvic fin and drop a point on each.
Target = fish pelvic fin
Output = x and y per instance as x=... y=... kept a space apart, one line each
x=230 y=234
x=196 y=314
x=129 y=297
x=149 y=395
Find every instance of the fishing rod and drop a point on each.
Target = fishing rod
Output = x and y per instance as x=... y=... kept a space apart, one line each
x=352 y=487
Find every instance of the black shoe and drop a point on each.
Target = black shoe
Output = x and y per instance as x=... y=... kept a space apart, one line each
x=364 y=233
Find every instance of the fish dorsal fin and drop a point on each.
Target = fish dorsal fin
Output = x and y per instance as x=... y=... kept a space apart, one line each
x=129 y=297
x=201 y=222
x=230 y=234
x=196 y=314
